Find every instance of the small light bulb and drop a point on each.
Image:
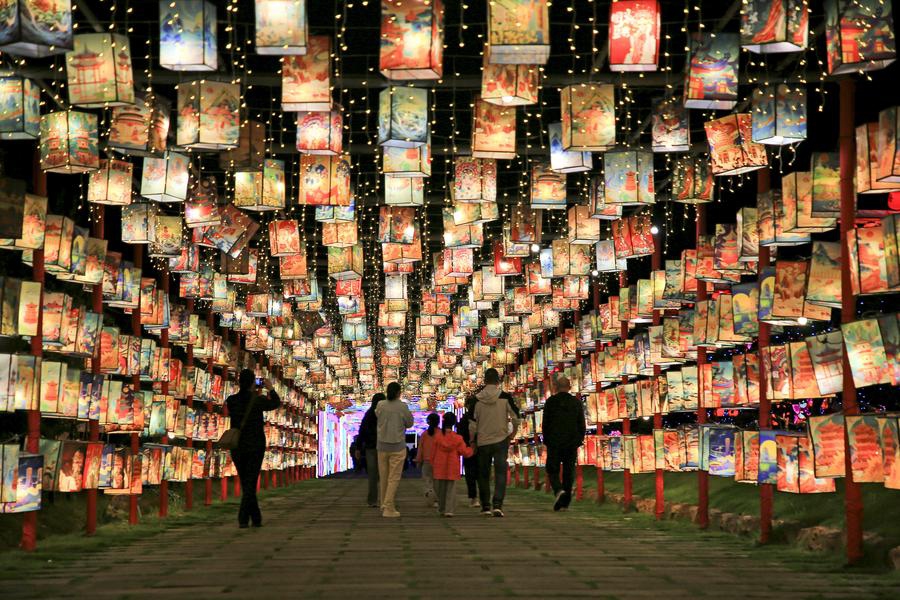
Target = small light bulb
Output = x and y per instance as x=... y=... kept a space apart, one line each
x=595 y=272
x=654 y=229
x=802 y=321
x=535 y=248
x=409 y=231
x=506 y=99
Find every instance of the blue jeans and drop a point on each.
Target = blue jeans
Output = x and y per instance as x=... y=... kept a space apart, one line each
x=496 y=453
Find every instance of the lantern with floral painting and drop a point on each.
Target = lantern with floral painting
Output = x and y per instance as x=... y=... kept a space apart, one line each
x=281 y=27
x=261 y=191
x=140 y=129
x=324 y=180
x=20 y=111
x=166 y=179
x=403 y=117
x=407 y=162
x=99 y=71
x=566 y=161
x=404 y=191
x=692 y=180
x=111 y=184
x=187 y=35
x=867 y=159
x=306 y=79
x=250 y=151
x=345 y=263
x=208 y=115
x=859 y=35
x=493 y=131
x=588 y=117
x=518 y=32
x=548 y=188
x=711 y=79
x=670 y=126
x=69 y=142
x=475 y=179
x=770 y=26
x=778 y=114
x=320 y=132
x=628 y=177
x=509 y=85
x=634 y=32
x=731 y=147
x=412 y=39
x=341 y=234
x=35 y=28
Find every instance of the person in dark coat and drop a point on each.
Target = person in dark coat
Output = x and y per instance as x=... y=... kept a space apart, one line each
x=367 y=440
x=563 y=432
x=248 y=456
x=471 y=463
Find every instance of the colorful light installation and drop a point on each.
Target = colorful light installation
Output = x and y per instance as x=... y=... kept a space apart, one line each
x=493 y=131
x=778 y=114
x=588 y=117
x=281 y=27
x=208 y=115
x=412 y=39
x=20 y=110
x=69 y=142
x=36 y=28
x=187 y=35
x=518 y=32
x=770 y=26
x=166 y=179
x=711 y=80
x=634 y=32
x=320 y=132
x=306 y=80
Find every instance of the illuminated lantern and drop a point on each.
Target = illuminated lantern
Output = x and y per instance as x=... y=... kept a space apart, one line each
x=403 y=117
x=731 y=148
x=395 y=225
x=140 y=129
x=407 y=162
x=599 y=208
x=566 y=161
x=859 y=35
x=509 y=85
x=250 y=151
x=208 y=115
x=69 y=142
x=467 y=234
x=20 y=111
x=505 y=265
x=868 y=261
x=692 y=181
x=187 y=35
x=778 y=114
x=887 y=148
x=400 y=255
x=111 y=184
x=261 y=191
x=582 y=228
x=867 y=159
x=518 y=32
x=458 y=262
x=711 y=80
x=493 y=131
x=341 y=234
x=35 y=28
x=891 y=228
x=770 y=26
x=404 y=191
x=284 y=237
x=466 y=213
x=475 y=179
x=628 y=178
x=826 y=184
x=136 y=220
x=320 y=132
x=281 y=27
x=634 y=31
x=670 y=126
x=324 y=180
x=336 y=214
x=548 y=188
x=166 y=236
x=99 y=71
x=412 y=39
x=166 y=179
x=345 y=263
x=796 y=205
x=306 y=80
x=588 y=117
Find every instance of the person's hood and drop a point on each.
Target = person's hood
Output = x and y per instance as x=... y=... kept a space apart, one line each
x=445 y=441
x=490 y=394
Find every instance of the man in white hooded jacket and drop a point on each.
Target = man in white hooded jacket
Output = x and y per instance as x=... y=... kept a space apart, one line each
x=495 y=422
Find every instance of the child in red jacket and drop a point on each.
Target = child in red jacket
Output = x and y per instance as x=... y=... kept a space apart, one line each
x=448 y=448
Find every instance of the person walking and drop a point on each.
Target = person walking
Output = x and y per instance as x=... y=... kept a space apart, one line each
x=470 y=463
x=247 y=407
x=394 y=418
x=494 y=424
x=448 y=448
x=367 y=443
x=563 y=432
x=424 y=455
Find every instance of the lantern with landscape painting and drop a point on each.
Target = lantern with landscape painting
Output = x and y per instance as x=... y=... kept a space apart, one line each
x=692 y=180
x=731 y=148
x=509 y=85
x=166 y=179
x=111 y=184
x=588 y=117
x=306 y=79
x=518 y=32
x=412 y=38
x=20 y=110
x=208 y=115
x=634 y=32
x=770 y=26
x=261 y=191
x=99 y=71
x=778 y=114
x=187 y=35
x=320 y=132
x=345 y=263
x=140 y=129
x=867 y=159
x=711 y=79
x=628 y=177
x=859 y=35
x=69 y=142
x=403 y=117
x=493 y=131
x=281 y=27
x=35 y=28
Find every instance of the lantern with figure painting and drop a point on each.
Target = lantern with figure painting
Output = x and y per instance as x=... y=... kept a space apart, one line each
x=187 y=35
x=412 y=38
x=404 y=191
x=140 y=129
x=634 y=32
x=886 y=145
x=711 y=80
x=261 y=191
x=859 y=35
x=336 y=214
x=99 y=71
x=306 y=79
x=588 y=117
x=583 y=228
x=770 y=26
x=731 y=148
x=403 y=117
x=628 y=177
x=493 y=131
x=548 y=188
x=320 y=132
x=566 y=161
x=324 y=180
x=509 y=85
x=208 y=115
x=778 y=114
x=111 y=184
x=36 y=28
x=692 y=180
x=518 y=32
x=670 y=126
x=250 y=151
x=407 y=162
x=475 y=179
x=867 y=159
x=281 y=27
x=166 y=179
x=458 y=262
x=69 y=142
x=345 y=263
x=20 y=108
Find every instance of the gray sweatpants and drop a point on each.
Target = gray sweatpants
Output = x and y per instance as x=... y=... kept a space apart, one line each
x=446 y=493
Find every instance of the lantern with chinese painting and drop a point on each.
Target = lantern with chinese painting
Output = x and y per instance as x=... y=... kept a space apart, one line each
x=634 y=31
x=111 y=184
x=778 y=114
x=208 y=115
x=412 y=38
x=599 y=208
x=166 y=236
x=262 y=191
x=250 y=151
x=403 y=117
x=566 y=161
x=306 y=80
x=509 y=85
x=770 y=26
x=692 y=180
x=320 y=132
x=868 y=261
x=493 y=131
x=867 y=158
x=166 y=179
x=859 y=35
x=281 y=27
x=404 y=191
x=826 y=184
x=345 y=263
x=341 y=234
x=140 y=129
x=284 y=237
x=588 y=117
x=336 y=214
x=505 y=265
x=407 y=162
x=35 y=28
x=548 y=188
x=187 y=35
x=711 y=80
x=518 y=32
x=583 y=229
x=670 y=126
x=731 y=148
x=628 y=177
x=395 y=225
x=466 y=213
x=69 y=142
x=324 y=180
x=475 y=180
x=458 y=262
x=464 y=235
x=99 y=71
x=20 y=111
x=136 y=220
x=886 y=144
x=796 y=206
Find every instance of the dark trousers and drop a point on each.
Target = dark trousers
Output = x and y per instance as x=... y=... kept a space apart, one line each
x=565 y=456
x=248 y=463
x=372 y=473
x=471 y=467
x=496 y=454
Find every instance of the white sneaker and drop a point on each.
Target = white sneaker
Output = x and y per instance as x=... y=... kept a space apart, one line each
x=487 y=513
x=558 y=501
x=474 y=503
x=390 y=513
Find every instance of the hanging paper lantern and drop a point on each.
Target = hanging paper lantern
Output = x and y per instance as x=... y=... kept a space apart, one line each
x=509 y=85
x=711 y=80
x=69 y=142
x=166 y=236
x=778 y=115
x=867 y=158
x=518 y=32
x=403 y=117
x=599 y=208
x=731 y=148
x=588 y=117
x=404 y=191
x=99 y=71
x=35 y=28
x=281 y=27
x=796 y=205
x=566 y=161
x=261 y=191
x=284 y=237
x=407 y=162
x=628 y=177
x=345 y=263
x=886 y=145
x=412 y=39
x=166 y=179
x=634 y=30
x=826 y=184
x=136 y=220
x=548 y=188
x=493 y=131
x=859 y=35
x=140 y=129
x=868 y=261
x=692 y=180
x=342 y=234
x=306 y=80
x=770 y=26
x=20 y=111
x=250 y=151
x=583 y=229
x=208 y=115
x=475 y=179
x=670 y=126
x=466 y=213
x=111 y=184
x=458 y=262
x=336 y=214
x=320 y=132
x=324 y=180
x=187 y=35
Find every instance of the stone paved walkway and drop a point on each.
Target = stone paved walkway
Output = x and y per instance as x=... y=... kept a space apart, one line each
x=321 y=541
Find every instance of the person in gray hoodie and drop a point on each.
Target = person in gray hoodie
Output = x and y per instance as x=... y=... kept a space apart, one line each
x=394 y=418
x=495 y=422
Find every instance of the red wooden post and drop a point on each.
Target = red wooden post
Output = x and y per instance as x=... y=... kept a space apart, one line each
x=659 y=508
x=94 y=425
x=702 y=476
x=537 y=458
x=136 y=385
x=598 y=346
x=766 y=490
x=164 y=343
x=628 y=494
x=853 y=502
